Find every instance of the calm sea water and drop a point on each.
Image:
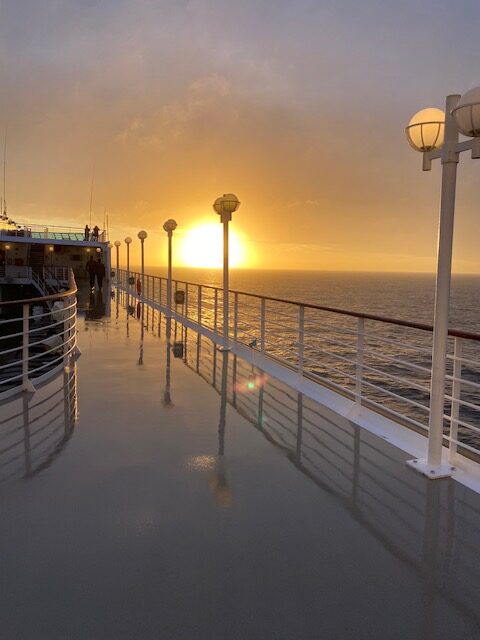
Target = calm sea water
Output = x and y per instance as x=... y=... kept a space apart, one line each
x=403 y=296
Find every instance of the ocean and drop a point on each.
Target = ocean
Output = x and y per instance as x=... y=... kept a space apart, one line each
x=402 y=296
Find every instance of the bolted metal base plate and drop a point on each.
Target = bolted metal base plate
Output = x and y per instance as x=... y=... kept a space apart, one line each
x=431 y=471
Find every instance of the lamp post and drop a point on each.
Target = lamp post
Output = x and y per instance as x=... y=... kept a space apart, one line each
x=128 y=241
x=142 y=235
x=225 y=206
x=435 y=134
x=169 y=226
x=117 y=247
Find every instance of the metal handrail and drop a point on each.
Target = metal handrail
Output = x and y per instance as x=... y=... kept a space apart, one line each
x=54 y=296
x=458 y=333
x=64 y=329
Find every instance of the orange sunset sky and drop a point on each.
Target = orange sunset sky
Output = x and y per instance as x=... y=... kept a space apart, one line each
x=298 y=108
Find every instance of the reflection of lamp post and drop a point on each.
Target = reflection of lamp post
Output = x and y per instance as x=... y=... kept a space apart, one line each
x=50 y=251
x=169 y=226
x=142 y=235
x=167 y=398
x=117 y=247
x=219 y=483
x=435 y=134
x=225 y=206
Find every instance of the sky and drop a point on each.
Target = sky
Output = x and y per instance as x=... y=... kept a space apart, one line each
x=297 y=107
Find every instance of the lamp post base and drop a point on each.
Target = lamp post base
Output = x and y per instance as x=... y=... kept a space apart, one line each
x=431 y=471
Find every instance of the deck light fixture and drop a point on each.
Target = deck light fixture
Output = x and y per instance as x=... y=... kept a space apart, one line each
x=225 y=205
x=467 y=113
x=426 y=129
x=169 y=226
x=437 y=141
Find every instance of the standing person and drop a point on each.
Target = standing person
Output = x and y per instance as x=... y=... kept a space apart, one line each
x=91 y=269
x=87 y=232
x=96 y=229
x=100 y=271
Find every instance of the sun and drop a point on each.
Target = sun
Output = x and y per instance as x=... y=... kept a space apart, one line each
x=202 y=246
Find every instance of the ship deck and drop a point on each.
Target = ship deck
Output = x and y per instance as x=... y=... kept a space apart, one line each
x=182 y=503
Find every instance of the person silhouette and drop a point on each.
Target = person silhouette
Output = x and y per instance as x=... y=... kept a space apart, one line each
x=100 y=272
x=91 y=269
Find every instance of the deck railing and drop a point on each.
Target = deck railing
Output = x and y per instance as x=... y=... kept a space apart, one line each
x=37 y=342
x=50 y=232
x=380 y=363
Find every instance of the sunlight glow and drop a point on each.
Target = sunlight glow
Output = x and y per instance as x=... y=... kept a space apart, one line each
x=202 y=246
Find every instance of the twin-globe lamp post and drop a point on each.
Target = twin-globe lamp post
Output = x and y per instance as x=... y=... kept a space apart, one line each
x=225 y=205
x=435 y=134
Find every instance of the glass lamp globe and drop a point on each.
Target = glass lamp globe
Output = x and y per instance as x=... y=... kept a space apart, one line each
x=218 y=206
x=169 y=225
x=230 y=202
x=128 y=240
x=142 y=235
x=426 y=129
x=117 y=243
x=98 y=250
x=467 y=113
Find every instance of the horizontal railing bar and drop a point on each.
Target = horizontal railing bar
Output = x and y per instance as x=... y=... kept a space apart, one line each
x=54 y=296
x=354 y=314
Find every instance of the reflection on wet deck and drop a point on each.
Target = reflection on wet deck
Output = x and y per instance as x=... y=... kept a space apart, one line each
x=35 y=428
x=199 y=498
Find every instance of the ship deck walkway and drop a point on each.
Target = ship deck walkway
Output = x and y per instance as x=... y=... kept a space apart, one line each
x=195 y=497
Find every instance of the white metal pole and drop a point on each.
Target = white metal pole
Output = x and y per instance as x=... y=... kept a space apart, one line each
x=143 y=277
x=442 y=290
x=118 y=260
x=169 y=284
x=128 y=277
x=226 y=218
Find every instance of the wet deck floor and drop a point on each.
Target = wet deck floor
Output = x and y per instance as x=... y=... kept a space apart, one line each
x=128 y=524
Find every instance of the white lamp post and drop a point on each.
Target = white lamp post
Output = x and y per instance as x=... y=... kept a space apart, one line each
x=117 y=244
x=225 y=206
x=435 y=134
x=169 y=226
x=128 y=241
x=142 y=235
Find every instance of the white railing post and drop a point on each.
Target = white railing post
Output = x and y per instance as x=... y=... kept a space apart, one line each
x=301 y=339
x=186 y=300
x=66 y=329
x=25 y=337
x=215 y=311
x=199 y=305
x=359 y=366
x=456 y=393
x=235 y=316
x=263 y=312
